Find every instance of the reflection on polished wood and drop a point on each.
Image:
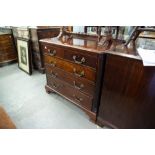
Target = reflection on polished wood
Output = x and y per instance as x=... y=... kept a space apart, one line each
x=83 y=42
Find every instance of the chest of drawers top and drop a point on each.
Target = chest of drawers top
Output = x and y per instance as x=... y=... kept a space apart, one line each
x=89 y=44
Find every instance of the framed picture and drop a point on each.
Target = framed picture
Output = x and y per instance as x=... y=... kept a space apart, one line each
x=24 y=55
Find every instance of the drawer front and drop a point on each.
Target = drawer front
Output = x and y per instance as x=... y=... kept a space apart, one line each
x=53 y=51
x=7 y=40
x=70 y=93
x=7 y=50
x=6 y=37
x=82 y=58
x=8 y=57
x=80 y=84
x=4 y=44
x=77 y=70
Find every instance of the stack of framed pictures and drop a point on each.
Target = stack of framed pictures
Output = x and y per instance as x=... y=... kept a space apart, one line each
x=24 y=55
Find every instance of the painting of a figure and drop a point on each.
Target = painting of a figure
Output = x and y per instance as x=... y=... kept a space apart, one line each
x=23 y=55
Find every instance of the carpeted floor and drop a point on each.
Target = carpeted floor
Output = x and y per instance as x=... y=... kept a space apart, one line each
x=29 y=106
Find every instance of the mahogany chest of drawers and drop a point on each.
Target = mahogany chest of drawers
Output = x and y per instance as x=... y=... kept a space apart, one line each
x=37 y=34
x=8 y=52
x=73 y=70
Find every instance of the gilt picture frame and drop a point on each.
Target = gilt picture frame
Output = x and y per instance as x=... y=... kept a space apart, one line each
x=24 y=55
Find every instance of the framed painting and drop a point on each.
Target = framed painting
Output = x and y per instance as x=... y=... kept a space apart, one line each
x=24 y=55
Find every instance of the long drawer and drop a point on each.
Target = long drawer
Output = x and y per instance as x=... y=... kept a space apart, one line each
x=8 y=57
x=77 y=70
x=78 y=57
x=80 y=84
x=7 y=50
x=6 y=37
x=69 y=92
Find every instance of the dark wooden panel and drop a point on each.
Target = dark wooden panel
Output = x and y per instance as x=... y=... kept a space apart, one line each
x=48 y=33
x=128 y=94
x=71 y=93
x=78 y=70
x=80 y=84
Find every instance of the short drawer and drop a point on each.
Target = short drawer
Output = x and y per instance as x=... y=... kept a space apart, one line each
x=53 y=51
x=69 y=92
x=81 y=57
x=75 y=69
x=78 y=83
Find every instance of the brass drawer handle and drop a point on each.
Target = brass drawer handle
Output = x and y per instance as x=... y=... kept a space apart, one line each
x=78 y=62
x=78 y=87
x=53 y=64
x=54 y=75
x=81 y=74
x=52 y=52
x=57 y=86
x=79 y=99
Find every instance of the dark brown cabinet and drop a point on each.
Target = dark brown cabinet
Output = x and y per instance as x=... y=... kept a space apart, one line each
x=8 y=52
x=128 y=93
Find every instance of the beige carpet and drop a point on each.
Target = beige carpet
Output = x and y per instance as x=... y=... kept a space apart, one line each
x=5 y=121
